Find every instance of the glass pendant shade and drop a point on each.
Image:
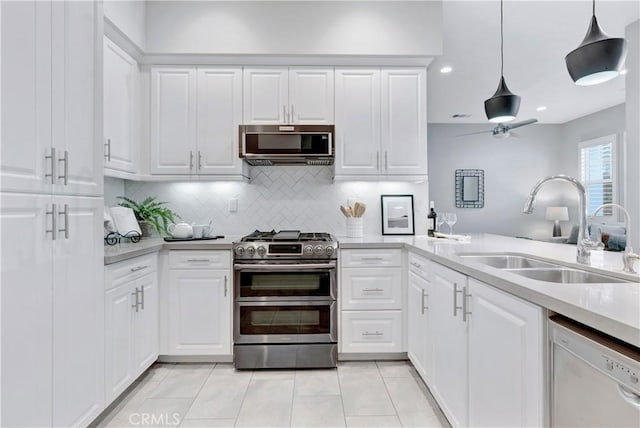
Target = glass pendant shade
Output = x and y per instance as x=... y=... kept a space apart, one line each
x=599 y=58
x=503 y=106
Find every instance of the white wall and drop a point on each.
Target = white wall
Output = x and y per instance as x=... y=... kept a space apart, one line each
x=632 y=34
x=512 y=167
x=129 y=17
x=281 y=197
x=394 y=28
x=113 y=187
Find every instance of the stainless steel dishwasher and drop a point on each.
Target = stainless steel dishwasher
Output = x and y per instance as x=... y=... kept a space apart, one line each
x=595 y=378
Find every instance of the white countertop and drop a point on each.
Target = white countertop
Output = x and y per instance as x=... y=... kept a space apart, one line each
x=611 y=308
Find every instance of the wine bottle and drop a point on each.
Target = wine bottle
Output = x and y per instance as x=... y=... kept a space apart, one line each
x=431 y=220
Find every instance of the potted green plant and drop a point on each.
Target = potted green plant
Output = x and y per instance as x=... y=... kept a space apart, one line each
x=151 y=214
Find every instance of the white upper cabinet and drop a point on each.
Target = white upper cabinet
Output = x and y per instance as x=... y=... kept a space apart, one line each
x=404 y=121
x=381 y=122
x=299 y=95
x=173 y=120
x=51 y=68
x=219 y=116
x=357 y=122
x=195 y=118
x=120 y=109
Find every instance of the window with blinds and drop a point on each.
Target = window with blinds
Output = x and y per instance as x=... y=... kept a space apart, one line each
x=597 y=173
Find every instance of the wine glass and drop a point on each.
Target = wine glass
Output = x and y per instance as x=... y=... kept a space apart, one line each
x=439 y=222
x=450 y=219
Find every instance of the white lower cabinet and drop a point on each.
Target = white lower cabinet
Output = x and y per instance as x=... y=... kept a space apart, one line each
x=419 y=347
x=199 y=303
x=487 y=349
x=371 y=331
x=131 y=321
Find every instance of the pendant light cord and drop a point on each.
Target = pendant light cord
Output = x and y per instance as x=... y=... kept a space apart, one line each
x=502 y=41
x=594 y=7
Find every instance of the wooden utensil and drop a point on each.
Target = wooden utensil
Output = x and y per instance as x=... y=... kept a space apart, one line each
x=356 y=209
x=361 y=209
x=345 y=211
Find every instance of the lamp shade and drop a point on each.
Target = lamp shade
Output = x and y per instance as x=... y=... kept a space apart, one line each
x=503 y=106
x=557 y=213
x=599 y=57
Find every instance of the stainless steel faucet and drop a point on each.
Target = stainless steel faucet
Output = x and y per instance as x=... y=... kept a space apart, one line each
x=628 y=257
x=584 y=245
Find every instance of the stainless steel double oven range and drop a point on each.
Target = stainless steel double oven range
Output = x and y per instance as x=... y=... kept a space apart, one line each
x=285 y=309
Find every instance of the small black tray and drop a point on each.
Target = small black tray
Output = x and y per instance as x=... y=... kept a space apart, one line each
x=210 y=238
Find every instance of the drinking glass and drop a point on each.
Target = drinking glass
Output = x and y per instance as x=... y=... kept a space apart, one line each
x=439 y=221
x=450 y=219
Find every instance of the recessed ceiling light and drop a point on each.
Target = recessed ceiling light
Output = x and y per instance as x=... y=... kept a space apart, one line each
x=446 y=69
x=541 y=108
x=623 y=72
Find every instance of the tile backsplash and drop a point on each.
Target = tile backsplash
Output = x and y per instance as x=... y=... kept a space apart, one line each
x=281 y=197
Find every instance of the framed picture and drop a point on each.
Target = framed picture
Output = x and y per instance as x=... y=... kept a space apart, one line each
x=397 y=215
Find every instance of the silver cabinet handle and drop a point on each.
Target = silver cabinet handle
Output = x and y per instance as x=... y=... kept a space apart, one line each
x=455 y=299
x=376 y=333
x=386 y=161
x=137 y=268
x=65 y=212
x=225 y=286
x=423 y=307
x=65 y=174
x=372 y=290
x=465 y=303
x=416 y=264
x=54 y=223
x=142 y=299
x=284 y=113
x=372 y=258
x=190 y=159
x=293 y=117
x=135 y=294
x=108 y=147
x=52 y=160
x=198 y=260
x=199 y=160
x=378 y=160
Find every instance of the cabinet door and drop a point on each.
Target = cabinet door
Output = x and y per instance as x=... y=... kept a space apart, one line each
x=449 y=334
x=118 y=339
x=77 y=90
x=357 y=111
x=266 y=95
x=417 y=325
x=371 y=288
x=173 y=120
x=199 y=314
x=371 y=331
x=311 y=95
x=219 y=116
x=26 y=96
x=505 y=359
x=146 y=324
x=120 y=108
x=404 y=121
x=78 y=312
x=25 y=299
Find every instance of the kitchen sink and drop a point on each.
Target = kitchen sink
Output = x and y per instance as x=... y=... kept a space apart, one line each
x=507 y=261
x=565 y=276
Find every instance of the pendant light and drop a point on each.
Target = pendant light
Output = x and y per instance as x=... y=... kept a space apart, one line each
x=599 y=57
x=503 y=106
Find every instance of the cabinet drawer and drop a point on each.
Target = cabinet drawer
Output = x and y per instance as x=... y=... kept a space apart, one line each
x=420 y=266
x=131 y=269
x=199 y=259
x=373 y=258
x=379 y=331
x=371 y=288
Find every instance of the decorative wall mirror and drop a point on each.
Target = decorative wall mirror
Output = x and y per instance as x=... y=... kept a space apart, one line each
x=469 y=188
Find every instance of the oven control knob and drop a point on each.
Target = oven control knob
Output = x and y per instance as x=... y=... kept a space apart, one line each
x=308 y=250
x=317 y=250
x=251 y=251
x=329 y=250
x=262 y=251
x=240 y=251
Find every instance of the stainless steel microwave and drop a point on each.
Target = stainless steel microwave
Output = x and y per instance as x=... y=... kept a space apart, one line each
x=287 y=144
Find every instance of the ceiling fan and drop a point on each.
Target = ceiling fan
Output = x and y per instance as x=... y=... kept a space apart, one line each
x=503 y=131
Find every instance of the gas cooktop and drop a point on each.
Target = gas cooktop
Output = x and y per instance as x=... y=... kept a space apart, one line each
x=290 y=244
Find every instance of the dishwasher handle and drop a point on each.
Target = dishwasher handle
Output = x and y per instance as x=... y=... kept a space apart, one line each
x=629 y=396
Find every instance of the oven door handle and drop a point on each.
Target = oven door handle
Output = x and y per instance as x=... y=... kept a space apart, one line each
x=271 y=267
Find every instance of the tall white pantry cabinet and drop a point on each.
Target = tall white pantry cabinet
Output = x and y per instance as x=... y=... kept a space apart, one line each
x=52 y=292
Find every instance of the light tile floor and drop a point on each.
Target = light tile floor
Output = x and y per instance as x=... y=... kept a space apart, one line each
x=356 y=394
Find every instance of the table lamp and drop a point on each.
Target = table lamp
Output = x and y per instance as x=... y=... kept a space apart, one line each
x=557 y=214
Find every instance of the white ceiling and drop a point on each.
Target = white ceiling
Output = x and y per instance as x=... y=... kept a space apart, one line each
x=538 y=35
